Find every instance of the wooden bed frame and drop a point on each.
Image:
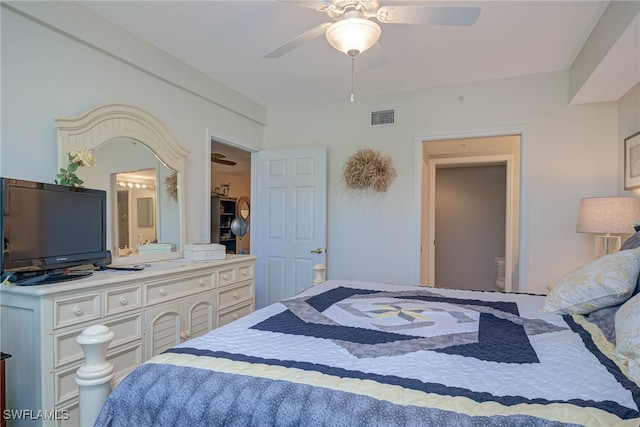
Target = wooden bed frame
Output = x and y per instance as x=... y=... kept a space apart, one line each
x=94 y=377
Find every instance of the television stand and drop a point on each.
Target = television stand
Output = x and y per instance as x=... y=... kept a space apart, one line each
x=46 y=277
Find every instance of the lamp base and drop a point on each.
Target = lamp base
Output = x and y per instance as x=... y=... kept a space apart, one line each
x=606 y=245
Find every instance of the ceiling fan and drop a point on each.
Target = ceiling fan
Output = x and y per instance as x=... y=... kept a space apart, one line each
x=353 y=30
x=220 y=158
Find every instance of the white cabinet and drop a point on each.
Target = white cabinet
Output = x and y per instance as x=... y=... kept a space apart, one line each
x=169 y=324
x=149 y=312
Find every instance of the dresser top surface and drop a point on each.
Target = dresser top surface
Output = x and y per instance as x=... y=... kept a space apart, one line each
x=152 y=272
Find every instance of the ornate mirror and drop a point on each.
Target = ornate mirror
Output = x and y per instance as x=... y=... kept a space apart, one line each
x=243 y=208
x=141 y=166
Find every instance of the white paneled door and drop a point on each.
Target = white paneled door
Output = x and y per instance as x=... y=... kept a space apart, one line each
x=289 y=220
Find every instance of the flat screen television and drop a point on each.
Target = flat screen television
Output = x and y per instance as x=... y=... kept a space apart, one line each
x=47 y=229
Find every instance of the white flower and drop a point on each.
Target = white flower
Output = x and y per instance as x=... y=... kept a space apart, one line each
x=83 y=157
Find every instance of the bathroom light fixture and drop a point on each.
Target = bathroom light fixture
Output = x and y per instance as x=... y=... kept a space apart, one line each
x=353 y=36
x=137 y=185
x=605 y=216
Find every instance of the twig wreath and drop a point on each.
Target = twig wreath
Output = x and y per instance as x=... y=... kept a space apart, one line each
x=368 y=168
x=171 y=186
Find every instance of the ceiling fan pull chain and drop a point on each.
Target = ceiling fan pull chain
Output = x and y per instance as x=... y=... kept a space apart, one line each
x=353 y=66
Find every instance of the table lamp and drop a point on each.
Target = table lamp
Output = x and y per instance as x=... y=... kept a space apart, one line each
x=605 y=216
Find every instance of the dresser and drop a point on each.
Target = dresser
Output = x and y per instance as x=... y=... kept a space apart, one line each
x=149 y=311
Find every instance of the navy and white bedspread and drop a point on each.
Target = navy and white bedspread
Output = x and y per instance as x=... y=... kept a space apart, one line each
x=358 y=353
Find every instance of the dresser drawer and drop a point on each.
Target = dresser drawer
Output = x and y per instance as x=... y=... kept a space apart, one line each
x=227 y=276
x=120 y=300
x=124 y=361
x=231 y=315
x=67 y=350
x=234 y=295
x=69 y=415
x=72 y=311
x=245 y=272
x=167 y=290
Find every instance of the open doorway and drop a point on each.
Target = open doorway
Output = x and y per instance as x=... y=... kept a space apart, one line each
x=230 y=196
x=483 y=155
x=470 y=207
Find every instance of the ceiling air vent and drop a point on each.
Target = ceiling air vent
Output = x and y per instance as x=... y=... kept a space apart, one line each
x=383 y=117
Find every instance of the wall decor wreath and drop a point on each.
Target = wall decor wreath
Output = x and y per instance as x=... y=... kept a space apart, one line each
x=171 y=186
x=368 y=168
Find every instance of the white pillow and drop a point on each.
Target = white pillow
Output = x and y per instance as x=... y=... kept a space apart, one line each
x=628 y=336
x=606 y=281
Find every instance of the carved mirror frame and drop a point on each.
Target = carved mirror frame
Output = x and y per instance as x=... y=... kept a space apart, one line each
x=114 y=121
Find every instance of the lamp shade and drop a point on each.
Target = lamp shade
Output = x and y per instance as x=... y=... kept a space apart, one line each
x=603 y=215
x=353 y=35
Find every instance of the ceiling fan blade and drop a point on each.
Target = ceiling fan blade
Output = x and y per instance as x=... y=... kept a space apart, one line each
x=301 y=39
x=433 y=15
x=320 y=6
x=224 y=162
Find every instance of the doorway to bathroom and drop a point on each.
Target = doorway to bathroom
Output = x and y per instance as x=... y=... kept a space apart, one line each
x=470 y=207
x=471 y=212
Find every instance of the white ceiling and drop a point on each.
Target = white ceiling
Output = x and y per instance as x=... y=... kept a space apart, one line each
x=227 y=40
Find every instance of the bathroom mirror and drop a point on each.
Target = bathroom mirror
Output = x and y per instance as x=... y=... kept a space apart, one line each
x=135 y=158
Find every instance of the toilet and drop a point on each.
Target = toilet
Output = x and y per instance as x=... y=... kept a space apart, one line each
x=500 y=278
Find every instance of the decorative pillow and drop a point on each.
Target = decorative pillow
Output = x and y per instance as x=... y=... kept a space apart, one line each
x=632 y=242
x=628 y=336
x=605 y=320
x=604 y=282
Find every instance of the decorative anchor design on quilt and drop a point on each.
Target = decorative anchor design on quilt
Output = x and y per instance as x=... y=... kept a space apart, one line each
x=369 y=323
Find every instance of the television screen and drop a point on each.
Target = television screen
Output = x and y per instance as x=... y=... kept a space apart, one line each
x=47 y=227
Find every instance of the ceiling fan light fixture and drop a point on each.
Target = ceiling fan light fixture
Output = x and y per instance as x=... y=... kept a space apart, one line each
x=353 y=35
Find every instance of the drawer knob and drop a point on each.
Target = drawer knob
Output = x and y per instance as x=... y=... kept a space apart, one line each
x=225 y=277
x=124 y=300
x=235 y=316
x=236 y=295
x=201 y=282
x=185 y=334
x=162 y=291
x=245 y=273
x=77 y=310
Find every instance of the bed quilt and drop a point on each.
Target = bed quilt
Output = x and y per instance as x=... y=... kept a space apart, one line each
x=359 y=353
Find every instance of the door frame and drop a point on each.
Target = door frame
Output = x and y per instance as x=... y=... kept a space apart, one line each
x=205 y=233
x=499 y=159
x=420 y=201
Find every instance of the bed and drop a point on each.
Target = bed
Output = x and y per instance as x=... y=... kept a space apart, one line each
x=360 y=353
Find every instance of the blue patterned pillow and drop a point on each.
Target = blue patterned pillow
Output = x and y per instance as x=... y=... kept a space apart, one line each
x=607 y=281
x=632 y=243
x=605 y=320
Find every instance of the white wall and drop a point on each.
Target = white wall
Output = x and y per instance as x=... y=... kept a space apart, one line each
x=47 y=74
x=570 y=152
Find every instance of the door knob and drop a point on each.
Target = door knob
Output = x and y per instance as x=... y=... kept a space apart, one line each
x=316 y=251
